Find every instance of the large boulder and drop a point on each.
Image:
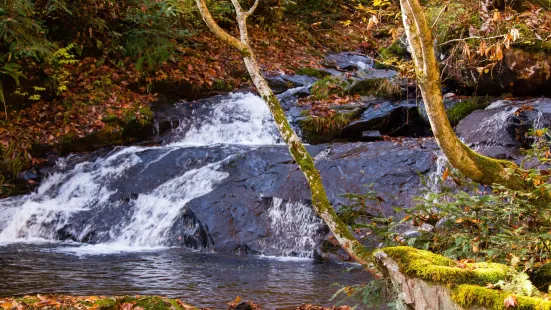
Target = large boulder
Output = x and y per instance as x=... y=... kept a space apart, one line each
x=240 y=200
x=501 y=129
x=522 y=72
x=395 y=119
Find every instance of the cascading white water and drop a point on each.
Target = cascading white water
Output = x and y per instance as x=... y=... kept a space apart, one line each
x=154 y=213
x=292 y=226
x=237 y=119
x=41 y=214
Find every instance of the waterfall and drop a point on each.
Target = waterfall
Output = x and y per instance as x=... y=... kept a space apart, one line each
x=237 y=119
x=84 y=202
x=292 y=226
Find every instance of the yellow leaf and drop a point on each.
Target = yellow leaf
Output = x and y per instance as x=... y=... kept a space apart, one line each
x=499 y=53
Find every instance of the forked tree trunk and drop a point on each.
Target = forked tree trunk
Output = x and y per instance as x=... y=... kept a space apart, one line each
x=475 y=166
x=321 y=204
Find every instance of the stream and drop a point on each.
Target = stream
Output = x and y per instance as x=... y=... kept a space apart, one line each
x=137 y=221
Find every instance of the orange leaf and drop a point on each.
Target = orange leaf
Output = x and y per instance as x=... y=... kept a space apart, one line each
x=7 y=305
x=446 y=174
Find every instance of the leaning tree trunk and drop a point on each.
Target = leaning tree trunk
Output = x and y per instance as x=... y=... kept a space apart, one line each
x=477 y=167
x=320 y=202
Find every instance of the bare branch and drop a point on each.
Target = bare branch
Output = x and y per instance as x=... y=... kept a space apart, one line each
x=238 y=8
x=253 y=8
x=219 y=32
x=473 y=37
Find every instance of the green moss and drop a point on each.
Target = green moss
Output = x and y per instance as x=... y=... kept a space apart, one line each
x=28 y=300
x=106 y=303
x=474 y=295
x=324 y=88
x=461 y=109
x=110 y=119
x=380 y=87
x=317 y=130
x=397 y=49
x=145 y=302
x=312 y=72
x=437 y=268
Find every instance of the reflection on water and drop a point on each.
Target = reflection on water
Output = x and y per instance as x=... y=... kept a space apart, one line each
x=203 y=279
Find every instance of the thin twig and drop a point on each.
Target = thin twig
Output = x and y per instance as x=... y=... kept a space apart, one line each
x=473 y=37
x=439 y=14
x=253 y=8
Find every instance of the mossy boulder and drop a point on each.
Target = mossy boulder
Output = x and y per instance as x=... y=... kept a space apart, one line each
x=383 y=84
x=469 y=296
x=437 y=268
x=316 y=130
x=425 y=280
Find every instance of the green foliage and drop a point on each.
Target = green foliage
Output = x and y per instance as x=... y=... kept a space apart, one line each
x=483 y=224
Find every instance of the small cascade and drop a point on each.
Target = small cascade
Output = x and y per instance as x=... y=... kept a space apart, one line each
x=294 y=228
x=112 y=202
x=41 y=214
x=154 y=213
x=237 y=119
x=434 y=178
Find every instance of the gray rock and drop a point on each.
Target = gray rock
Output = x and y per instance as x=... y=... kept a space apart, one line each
x=389 y=118
x=348 y=61
x=281 y=83
x=237 y=216
x=500 y=132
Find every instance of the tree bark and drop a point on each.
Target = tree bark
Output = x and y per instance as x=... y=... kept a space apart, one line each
x=320 y=202
x=475 y=166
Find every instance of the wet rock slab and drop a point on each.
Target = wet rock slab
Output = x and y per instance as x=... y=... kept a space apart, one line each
x=262 y=205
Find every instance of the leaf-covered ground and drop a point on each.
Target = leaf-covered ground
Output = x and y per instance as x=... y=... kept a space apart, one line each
x=123 y=303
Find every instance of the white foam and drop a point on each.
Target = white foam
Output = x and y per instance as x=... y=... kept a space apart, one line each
x=293 y=226
x=105 y=249
x=238 y=119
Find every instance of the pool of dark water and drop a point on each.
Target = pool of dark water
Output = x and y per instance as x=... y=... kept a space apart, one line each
x=203 y=279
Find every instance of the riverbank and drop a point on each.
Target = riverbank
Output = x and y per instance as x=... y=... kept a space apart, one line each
x=127 y=303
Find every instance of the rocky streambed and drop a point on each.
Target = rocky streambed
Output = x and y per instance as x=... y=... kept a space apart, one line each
x=219 y=180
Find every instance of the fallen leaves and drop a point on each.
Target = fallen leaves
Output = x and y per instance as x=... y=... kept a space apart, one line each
x=93 y=303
